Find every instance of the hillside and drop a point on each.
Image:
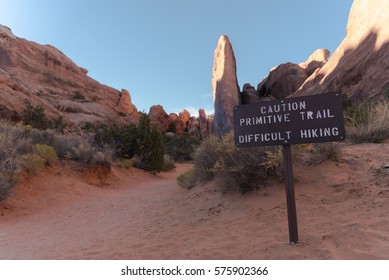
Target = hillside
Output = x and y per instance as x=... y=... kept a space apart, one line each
x=45 y=77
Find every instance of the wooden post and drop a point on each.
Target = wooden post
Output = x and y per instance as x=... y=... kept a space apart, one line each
x=290 y=198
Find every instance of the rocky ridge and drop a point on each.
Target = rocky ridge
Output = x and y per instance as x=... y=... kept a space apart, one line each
x=45 y=77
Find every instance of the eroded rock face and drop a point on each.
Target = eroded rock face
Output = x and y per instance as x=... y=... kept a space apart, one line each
x=315 y=61
x=249 y=94
x=282 y=81
x=46 y=77
x=159 y=118
x=125 y=105
x=359 y=67
x=204 y=126
x=182 y=122
x=224 y=86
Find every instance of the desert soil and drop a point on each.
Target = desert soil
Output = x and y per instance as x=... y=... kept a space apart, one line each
x=342 y=211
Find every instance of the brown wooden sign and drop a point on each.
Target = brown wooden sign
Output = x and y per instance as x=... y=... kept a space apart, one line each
x=306 y=119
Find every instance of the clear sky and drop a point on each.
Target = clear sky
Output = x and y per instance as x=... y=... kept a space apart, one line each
x=162 y=50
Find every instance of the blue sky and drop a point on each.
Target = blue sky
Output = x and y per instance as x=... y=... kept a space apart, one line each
x=162 y=51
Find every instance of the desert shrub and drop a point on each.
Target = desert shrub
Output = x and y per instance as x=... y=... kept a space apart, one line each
x=168 y=163
x=187 y=180
x=14 y=143
x=84 y=153
x=94 y=160
x=7 y=180
x=238 y=169
x=319 y=152
x=88 y=127
x=124 y=162
x=205 y=158
x=33 y=163
x=64 y=144
x=181 y=147
x=150 y=149
x=46 y=152
x=59 y=124
x=42 y=136
x=122 y=139
x=78 y=96
x=368 y=122
x=234 y=169
x=35 y=116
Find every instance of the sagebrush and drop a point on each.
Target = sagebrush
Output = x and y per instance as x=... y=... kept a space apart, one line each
x=235 y=169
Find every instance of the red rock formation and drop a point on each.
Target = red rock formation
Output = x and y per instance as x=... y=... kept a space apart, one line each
x=360 y=65
x=125 y=105
x=159 y=118
x=315 y=61
x=203 y=123
x=225 y=87
x=282 y=81
x=47 y=78
x=182 y=122
x=249 y=94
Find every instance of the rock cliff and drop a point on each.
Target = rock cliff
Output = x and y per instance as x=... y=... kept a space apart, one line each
x=360 y=65
x=46 y=77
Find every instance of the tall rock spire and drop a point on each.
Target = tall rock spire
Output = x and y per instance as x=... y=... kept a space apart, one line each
x=224 y=86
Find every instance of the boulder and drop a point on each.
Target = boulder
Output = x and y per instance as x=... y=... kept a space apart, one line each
x=225 y=87
x=282 y=81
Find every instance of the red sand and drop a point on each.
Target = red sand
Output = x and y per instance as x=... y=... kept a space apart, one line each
x=342 y=212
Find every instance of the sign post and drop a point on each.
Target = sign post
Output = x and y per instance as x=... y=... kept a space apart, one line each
x=290 y=198
x=306 y=119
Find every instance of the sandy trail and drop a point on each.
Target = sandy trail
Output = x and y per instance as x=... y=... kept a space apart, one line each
x=342 y=211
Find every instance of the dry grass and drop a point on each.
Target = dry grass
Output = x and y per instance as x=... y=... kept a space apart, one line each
x=368 y=123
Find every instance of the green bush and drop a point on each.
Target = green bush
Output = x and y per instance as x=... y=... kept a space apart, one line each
x=150 y=150
x=35 y=116
x=181 y=147
x=122 y=139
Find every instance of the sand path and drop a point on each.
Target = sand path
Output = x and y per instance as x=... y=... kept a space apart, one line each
x=342 y=213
